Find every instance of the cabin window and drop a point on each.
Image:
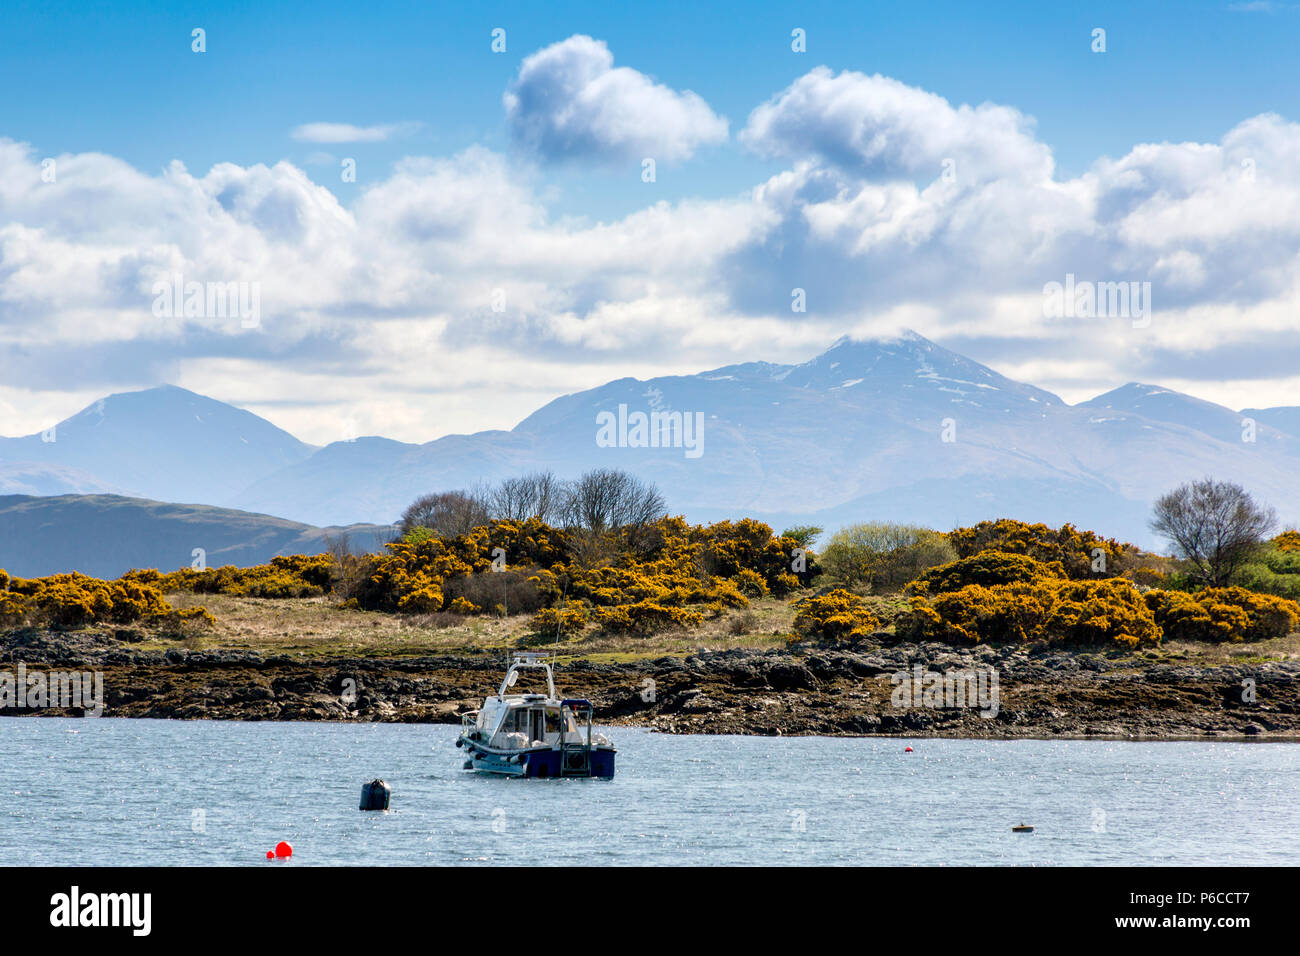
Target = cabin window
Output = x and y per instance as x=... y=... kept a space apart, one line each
x=516 y=721
x=555 y=719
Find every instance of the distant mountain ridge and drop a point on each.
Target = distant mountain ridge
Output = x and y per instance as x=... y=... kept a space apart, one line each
x=166 y=443
x=895 y=428
x=108 y=535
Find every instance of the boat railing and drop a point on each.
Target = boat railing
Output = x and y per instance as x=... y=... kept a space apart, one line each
x=524 y=660
x=580 y=708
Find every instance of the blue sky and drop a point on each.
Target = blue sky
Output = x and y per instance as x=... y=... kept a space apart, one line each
x=114 y=92
x=121 y=79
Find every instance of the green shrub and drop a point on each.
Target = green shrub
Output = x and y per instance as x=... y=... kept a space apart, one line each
x=883 y=556
x=1274 y=569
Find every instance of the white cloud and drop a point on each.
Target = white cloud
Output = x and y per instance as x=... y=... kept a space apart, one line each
x=877 y=127
x=348 y=133
x=569 y=102
x=383 y=310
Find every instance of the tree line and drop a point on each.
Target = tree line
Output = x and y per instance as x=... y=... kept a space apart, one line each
x=603 y=499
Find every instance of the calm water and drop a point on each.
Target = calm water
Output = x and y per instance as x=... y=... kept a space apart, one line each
x=126 y=791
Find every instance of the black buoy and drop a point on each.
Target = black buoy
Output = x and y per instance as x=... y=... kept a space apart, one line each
x=375 y=795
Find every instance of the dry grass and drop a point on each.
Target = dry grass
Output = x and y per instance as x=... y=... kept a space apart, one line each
x=318 y=627
x=1279 y=649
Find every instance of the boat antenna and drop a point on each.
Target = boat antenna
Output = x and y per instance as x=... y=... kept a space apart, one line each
x=559 y=620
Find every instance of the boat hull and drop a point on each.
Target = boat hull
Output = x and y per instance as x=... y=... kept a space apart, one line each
x=544 y=763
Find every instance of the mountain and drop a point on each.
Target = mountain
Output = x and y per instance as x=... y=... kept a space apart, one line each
x=165 y=443
x=1285 y=419
x=775 y=436
x=897 y=428
x=36 y=478
x=856 y=433
x=107 y=535
x=1165 y=405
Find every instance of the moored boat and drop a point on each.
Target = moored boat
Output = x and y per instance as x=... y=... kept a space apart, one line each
x=534 y=735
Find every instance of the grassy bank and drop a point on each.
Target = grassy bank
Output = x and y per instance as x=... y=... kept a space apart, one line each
x=320 y=628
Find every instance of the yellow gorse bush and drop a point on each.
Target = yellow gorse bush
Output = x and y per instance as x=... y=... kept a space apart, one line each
x=75 y=600
x=1080 y=553
x=1012 y=596
x=1050 y=609
x=985 y=569
x=657 y=576
x=838 y=615
x=1288 y=541
x=666 y=574
x=1027 y=582
x=288 y=576
x=1223 y=614
x=1001 y=596
x=557 y=620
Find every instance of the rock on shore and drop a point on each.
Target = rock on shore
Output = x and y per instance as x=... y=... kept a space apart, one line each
x=1041 y=693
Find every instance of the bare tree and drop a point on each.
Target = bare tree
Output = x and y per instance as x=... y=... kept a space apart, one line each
x=447 y=513
x=536 y=495
x=606 y=499
x=351 y=564
x=1214 y=525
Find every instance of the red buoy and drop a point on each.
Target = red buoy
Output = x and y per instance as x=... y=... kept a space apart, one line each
x=907 y=750
x=270 y=854
x=283 y=849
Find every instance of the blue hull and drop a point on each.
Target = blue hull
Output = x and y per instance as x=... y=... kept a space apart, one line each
x=545 y=764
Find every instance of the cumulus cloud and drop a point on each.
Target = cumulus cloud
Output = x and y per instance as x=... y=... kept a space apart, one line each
x=348 y=133
x=392 y=297
x=570 y=102
x=877 y=127
x=448 y=297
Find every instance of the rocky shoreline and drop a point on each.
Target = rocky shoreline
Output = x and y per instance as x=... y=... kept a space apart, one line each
x=796 y=691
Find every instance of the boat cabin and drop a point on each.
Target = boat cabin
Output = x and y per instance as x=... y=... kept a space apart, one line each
x=535 y=735
x=516 y=721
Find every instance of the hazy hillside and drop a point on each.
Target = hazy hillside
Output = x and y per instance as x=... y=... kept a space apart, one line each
x=858 y=432
x=165 y=443
x=106 y=535
x=1285 y=419
x=896 y=428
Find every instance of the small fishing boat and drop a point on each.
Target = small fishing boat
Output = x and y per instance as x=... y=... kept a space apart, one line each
x=534 y=735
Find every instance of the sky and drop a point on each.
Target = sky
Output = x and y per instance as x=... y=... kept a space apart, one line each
x=441 y=216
